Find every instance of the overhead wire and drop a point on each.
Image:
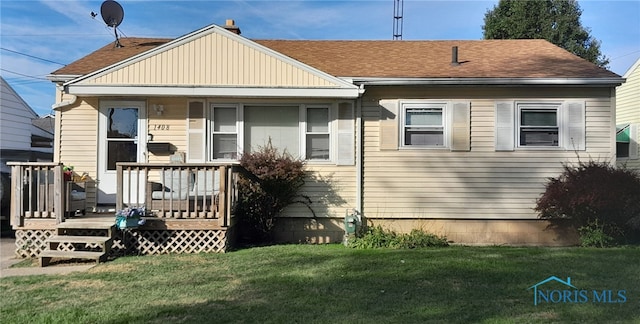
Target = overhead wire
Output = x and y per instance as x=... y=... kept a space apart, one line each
x=31 y=56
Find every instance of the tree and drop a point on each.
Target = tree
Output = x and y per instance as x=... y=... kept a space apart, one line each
x=557 y=21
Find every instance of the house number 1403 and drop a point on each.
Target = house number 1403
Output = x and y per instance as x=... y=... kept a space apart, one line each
x=160 y=127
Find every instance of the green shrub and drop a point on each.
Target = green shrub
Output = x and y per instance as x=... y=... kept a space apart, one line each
x=594 y=234
x=594 y=192
x=280 y=178
x=377 y=237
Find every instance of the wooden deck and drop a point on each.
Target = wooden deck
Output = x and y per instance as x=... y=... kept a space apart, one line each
x=196 y=220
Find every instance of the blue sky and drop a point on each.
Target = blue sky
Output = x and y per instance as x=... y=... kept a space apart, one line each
x=49 y=33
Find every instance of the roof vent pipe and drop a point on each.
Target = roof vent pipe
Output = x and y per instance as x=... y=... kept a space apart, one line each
x=454 y=56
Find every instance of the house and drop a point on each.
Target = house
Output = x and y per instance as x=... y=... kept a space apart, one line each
x=24 y=136
x=454 y=137
x=628 y=118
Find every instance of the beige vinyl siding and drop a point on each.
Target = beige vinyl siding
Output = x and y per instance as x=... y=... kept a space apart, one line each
x=332 y=190
x=212 y=59
x=481 y=183
x=78 y=146
x=170 y=127
x=628 y=109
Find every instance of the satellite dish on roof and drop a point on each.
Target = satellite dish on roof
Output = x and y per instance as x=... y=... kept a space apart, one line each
x=112 y=14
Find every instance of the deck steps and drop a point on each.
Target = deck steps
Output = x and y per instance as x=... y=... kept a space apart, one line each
x=79 y=246
x=78 y=239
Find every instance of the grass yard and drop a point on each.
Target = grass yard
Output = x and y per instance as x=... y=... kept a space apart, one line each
x=334 y=284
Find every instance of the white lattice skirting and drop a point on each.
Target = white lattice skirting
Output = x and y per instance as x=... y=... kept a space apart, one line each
x=171 y=241
x=29 y=243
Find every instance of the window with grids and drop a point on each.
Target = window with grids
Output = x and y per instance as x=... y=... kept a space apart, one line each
x=224 y=133
x=538 y=125
x=317 y=133
x=424 y=125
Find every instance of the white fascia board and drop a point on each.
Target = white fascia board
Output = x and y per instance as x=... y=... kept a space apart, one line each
x=613 y=81
x=102 y=90
x=62 y=77
x=632 y=68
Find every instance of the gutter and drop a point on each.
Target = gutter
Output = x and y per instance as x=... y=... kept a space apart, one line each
x=64 y=103
x=611 y=81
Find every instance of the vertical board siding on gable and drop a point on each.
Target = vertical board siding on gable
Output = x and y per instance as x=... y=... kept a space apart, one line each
x=481 y=183
x=212 y=60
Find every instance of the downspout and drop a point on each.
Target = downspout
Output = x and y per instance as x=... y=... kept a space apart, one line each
x=65 y=103
x=359 y=153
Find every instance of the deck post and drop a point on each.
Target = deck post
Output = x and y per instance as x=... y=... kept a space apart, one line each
x=119 y=186
x=222 y=199
x=231 y=195
x=58 y=195
x=17 y=217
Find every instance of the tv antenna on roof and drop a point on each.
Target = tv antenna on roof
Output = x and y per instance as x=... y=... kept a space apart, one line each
x=112 y=14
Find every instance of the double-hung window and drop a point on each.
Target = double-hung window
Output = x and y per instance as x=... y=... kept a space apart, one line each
x=545 y=125
x=224 y=131
x=424 y=125
x=538 y=125
x=317 y=133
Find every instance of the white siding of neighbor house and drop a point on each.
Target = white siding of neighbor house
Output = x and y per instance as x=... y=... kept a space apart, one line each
x=480 y=183
x=15 y=120
x=628 y=108
x=212 y=59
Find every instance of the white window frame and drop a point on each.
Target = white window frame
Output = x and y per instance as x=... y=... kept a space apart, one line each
x=446 y=124
x=210 y=130
x=537 y=105
x=302 y=128
x=304 y=133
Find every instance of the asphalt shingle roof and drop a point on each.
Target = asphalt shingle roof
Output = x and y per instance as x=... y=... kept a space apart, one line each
x=533 y=58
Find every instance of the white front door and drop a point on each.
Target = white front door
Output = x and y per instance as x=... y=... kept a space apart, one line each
x=122 y=137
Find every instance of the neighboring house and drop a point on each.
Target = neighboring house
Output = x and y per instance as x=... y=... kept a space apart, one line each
x=628 y=118
x=23 y=136
x=454 y=137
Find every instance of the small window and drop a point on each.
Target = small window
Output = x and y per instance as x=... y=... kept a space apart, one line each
x=225 y=133
x=317 y=134
x=538 y=126
x=623 y=139
x=423 y=125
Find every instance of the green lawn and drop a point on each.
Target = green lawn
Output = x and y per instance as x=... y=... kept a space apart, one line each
x=332 y=284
